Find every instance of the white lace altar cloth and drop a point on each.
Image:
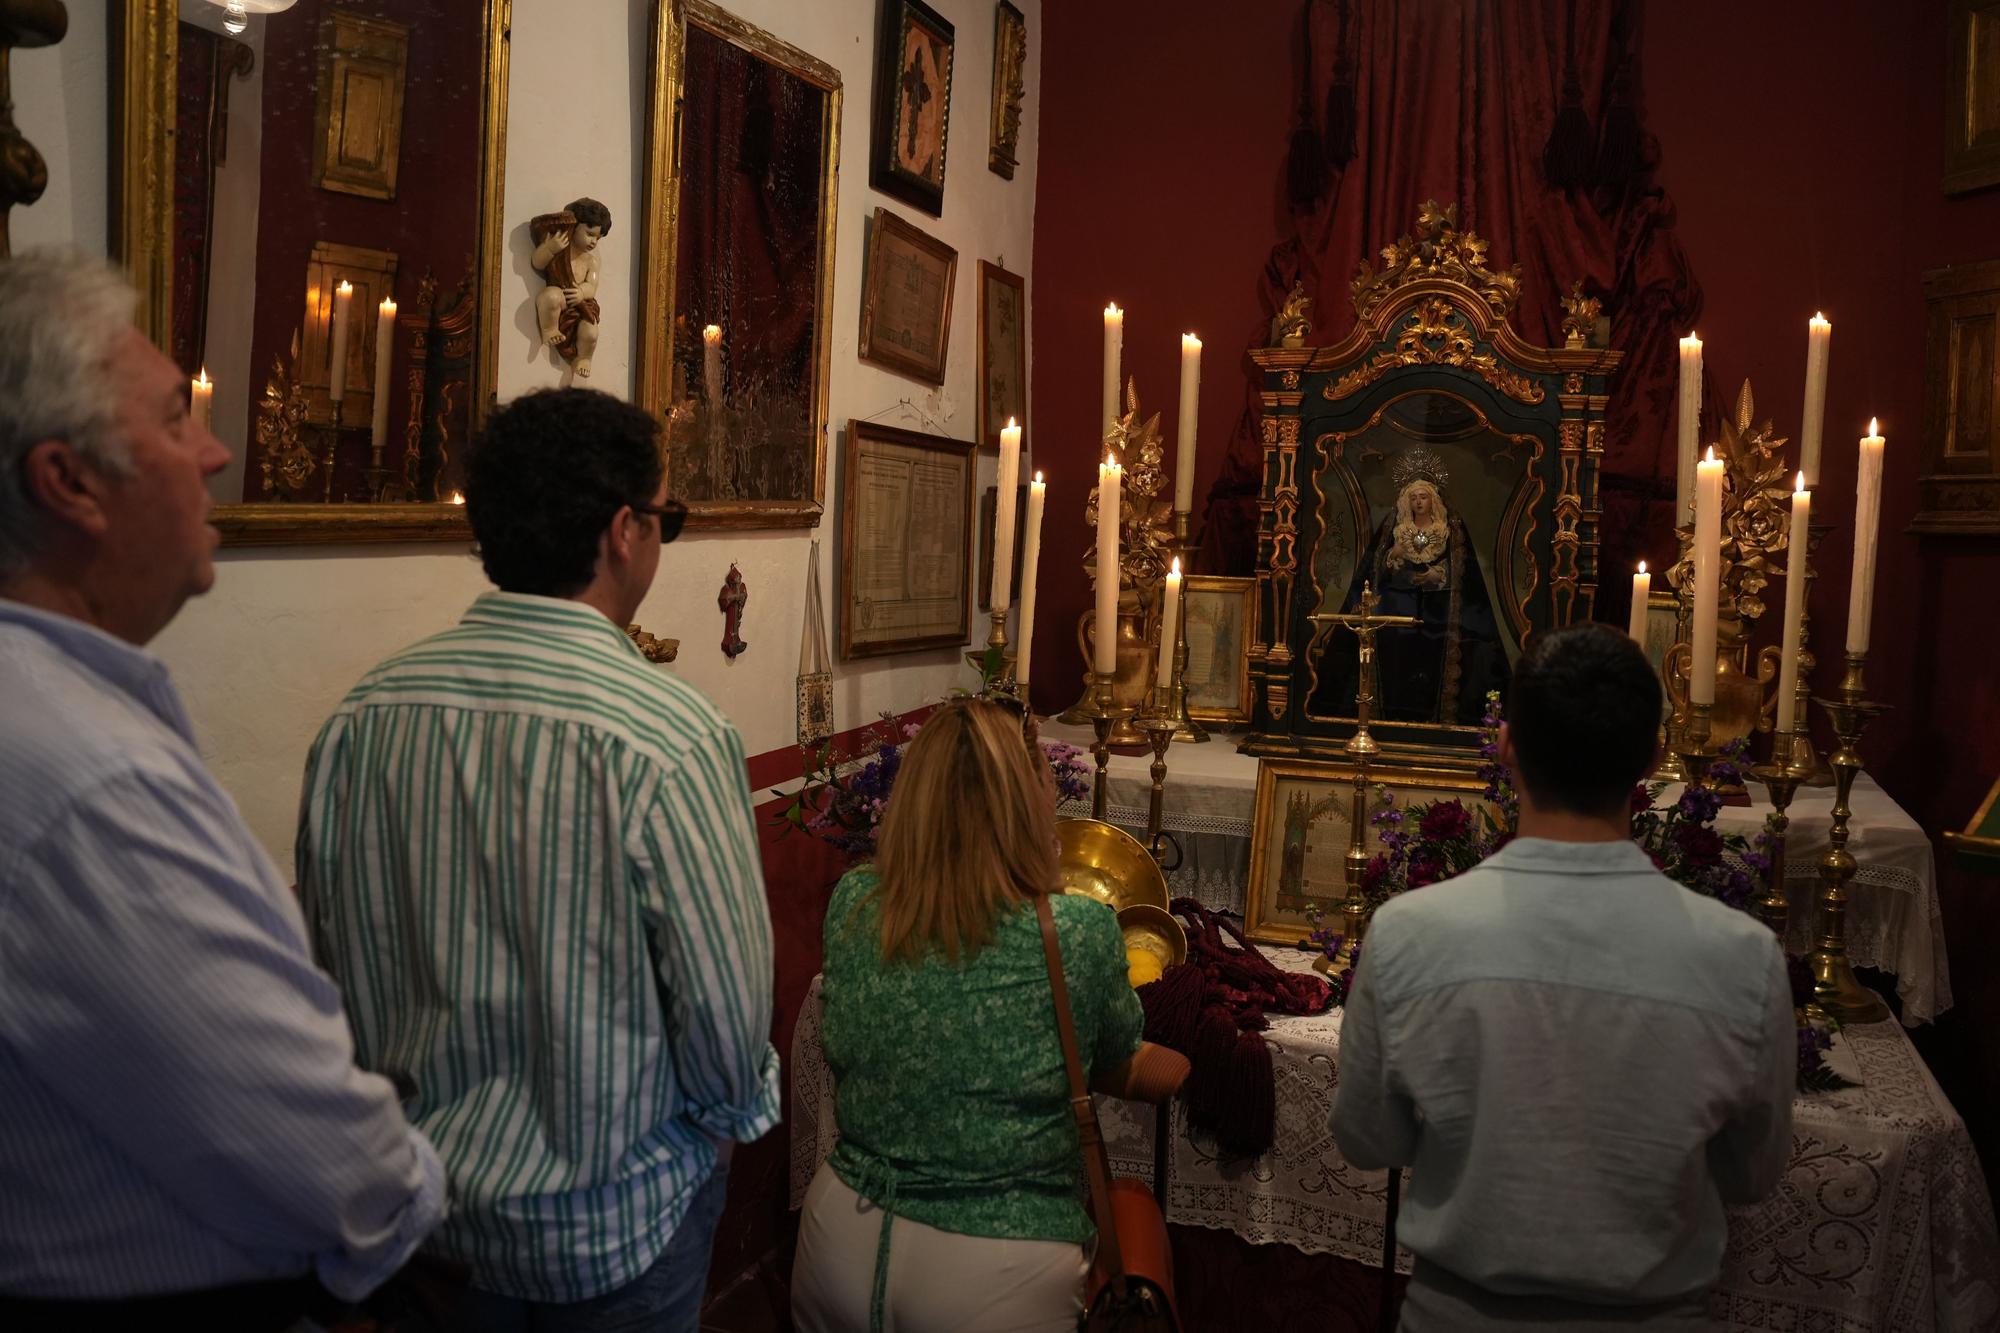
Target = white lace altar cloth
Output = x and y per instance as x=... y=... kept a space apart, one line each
x=1882 y=1223
x=1893 y=920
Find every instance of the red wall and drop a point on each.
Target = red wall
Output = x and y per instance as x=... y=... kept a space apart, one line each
x=1802 y=145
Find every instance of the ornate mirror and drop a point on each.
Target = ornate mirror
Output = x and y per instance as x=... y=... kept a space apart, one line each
x=309 y=199
x=1435 y=461
x=735 y=351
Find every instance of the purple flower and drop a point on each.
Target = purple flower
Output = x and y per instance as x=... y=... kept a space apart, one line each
x=1699 y=844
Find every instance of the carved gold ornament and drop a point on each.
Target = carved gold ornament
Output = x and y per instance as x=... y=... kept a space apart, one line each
x=1145 y=520
x=288 y=462
x=1437 y=249
x=1294 y=319
x=1756 y=515
x=1579 y=317
x=1436 y=334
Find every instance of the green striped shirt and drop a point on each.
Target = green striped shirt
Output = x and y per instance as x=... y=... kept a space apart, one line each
x=527 y=856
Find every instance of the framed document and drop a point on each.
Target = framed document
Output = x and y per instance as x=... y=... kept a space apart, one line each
x=1003 y=353
x=1221 y=613
x=905 y=541
x=906 y=298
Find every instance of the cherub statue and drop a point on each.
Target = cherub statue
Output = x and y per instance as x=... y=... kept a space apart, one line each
x=566 y=254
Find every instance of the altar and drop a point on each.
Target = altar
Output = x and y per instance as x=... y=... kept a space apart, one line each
x=1882 y=1219
x=1893 y=919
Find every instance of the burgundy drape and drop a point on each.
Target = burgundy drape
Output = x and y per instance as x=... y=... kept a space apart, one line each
x=1454 y=101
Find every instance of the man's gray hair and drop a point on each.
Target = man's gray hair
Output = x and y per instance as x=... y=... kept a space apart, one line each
x=61 y=316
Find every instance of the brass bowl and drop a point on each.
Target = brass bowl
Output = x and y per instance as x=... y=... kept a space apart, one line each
x=1154 y=930
x=1105 y=862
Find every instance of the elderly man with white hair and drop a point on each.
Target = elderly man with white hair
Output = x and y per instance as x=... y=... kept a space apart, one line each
x=185 y=1135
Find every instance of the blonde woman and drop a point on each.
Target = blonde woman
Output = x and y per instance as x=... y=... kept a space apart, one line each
x=954 y=1200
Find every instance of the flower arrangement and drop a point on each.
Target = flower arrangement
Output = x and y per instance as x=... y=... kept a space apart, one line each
x=846 y=794
x=1426 y=843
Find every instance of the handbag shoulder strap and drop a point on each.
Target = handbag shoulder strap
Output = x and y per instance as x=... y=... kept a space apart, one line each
x=1096 y=1164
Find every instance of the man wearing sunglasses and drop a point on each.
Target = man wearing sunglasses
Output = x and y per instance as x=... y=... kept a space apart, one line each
x=527 y=856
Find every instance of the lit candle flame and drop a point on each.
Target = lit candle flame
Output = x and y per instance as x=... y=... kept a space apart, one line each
x=201 y=380
x=1177 y=567
x=1112 y=309
x=1802 y=483
x=1711 y=453
x=458 y=497
x=1874 y=427
x=388 y=307
x=1642 y=566
x=346 y=288
x=1038 y=479
x=1010 y=423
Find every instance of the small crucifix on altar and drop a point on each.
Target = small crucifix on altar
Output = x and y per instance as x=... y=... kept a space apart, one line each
x=1365 y=623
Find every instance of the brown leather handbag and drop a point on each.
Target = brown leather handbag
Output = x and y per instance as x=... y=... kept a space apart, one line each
x=1131 y=1283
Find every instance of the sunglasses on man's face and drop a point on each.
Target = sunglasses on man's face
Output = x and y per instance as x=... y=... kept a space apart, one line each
x=672 y=515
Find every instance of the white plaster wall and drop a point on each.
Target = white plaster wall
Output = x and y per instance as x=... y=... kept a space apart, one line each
x=263 y=658
x=60 y=96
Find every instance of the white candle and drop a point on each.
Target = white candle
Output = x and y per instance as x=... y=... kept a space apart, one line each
x=336 y=385
x=1707 y=577
x=1170 y=620
x=1031 y=560
x=1110 y=481
x=1114 y=342
x=1642 y=588
x=711 y=365
x=201 y=399
x=1190 y=409
x=1690 y=423
x=1787 y=716
x=1819 y=345
x=1867 y=517
x=385 y=346
x=1003 y=516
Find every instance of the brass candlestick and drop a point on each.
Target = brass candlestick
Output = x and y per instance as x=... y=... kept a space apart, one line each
x=1186 y=729
x=1807 y=756
x=996 y=638
x=1362 y=747
x=1835 y=988
x=1781 y=778
x=1691 y=747
x=1104 y=716
x=1158 y=724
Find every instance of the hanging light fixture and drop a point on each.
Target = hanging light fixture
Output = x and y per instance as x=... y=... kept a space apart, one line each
x=236 y=13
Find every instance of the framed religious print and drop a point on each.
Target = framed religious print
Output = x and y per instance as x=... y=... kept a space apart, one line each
x=913 y=58
x=1220 y=614
x=905 y=541
x=1958 y=482
x=906 y=299
x=1010 y=85
x=1304 y=825
x=1003 y=352
x=987 y=501
x=1972 y=97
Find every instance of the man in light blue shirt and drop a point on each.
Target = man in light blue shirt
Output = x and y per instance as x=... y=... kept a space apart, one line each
x=1581 y=1061
x=186 y=1140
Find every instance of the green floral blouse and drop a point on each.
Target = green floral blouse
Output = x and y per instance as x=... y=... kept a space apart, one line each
x=951 y=1099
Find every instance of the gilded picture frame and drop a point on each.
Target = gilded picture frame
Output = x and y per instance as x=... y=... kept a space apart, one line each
x=1972 y=97
x=787 y=472
x=912 y=130
x=1220 y=616
x=1003 y=353
x=905 y=582
x=1303 y=827
x=1010 y=59
x=143 y=40
x=906 y=299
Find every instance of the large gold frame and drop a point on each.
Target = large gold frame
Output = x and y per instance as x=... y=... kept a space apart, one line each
x=659 y=254
x=145 y=46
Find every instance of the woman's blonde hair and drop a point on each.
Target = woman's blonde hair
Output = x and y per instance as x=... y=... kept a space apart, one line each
x=970 y=832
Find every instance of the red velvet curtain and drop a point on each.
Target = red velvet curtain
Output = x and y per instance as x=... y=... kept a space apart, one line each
x=1456 y=100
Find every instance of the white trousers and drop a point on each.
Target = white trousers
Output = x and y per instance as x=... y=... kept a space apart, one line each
x=939 y=1281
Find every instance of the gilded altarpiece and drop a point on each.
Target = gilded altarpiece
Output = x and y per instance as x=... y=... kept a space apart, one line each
x=1436 y=456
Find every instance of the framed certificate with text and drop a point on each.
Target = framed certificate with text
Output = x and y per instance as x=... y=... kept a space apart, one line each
x=905 y=541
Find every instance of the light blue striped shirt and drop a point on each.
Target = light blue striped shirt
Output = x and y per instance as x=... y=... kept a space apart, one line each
x=181 y=1106
x=528 y=856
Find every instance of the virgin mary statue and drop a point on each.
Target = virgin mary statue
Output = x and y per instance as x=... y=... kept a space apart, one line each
x=1421 y=564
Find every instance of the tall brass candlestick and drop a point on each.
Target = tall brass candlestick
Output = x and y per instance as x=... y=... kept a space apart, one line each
x=1362 y=747
x=1692 y=748
x=1781 y=778
x=1835 y=988
x=1808 y=757
x=997 y=638
x=1104 y=715
x=1158 y=724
